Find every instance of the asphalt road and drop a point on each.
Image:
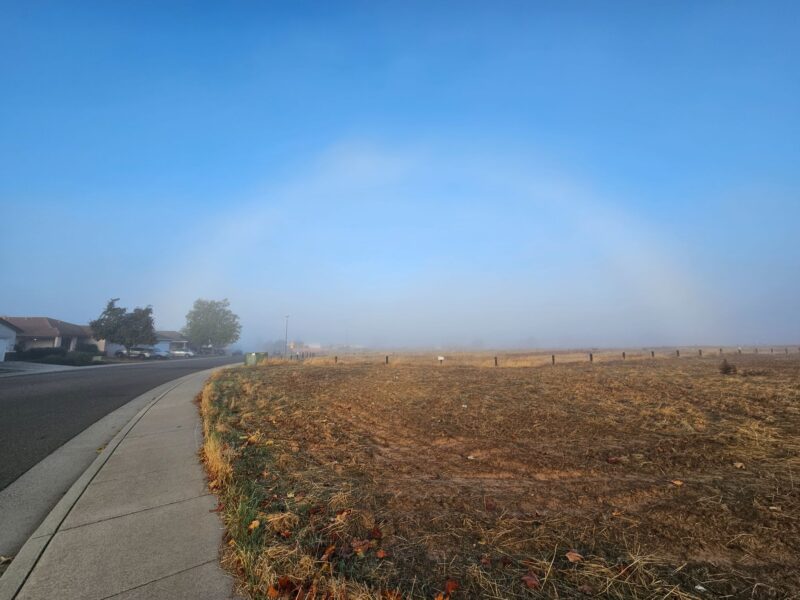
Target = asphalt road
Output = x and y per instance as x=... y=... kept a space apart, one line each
x=38 y=413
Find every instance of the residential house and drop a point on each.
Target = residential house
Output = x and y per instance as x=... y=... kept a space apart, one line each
x=170 y=340
x=8 y=337
x=44 y=332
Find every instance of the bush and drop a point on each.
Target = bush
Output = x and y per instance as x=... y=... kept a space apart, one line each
x=72 y=359
x=92 y=348
x=39 y=353
x=726 y=368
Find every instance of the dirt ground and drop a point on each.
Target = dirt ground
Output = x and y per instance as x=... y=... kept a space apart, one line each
x=629 y=479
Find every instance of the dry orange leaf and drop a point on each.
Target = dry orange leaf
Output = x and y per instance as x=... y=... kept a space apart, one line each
x=531 y=581
x=676 y=482
x=254 y=524
x=573 y=556
x=738 y=465
x=328 y=551
x=451 y=586
x=381 y=553
x=272 y=592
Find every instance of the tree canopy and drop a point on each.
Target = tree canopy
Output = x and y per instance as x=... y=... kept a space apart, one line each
x=211 y=322
x=115 y=324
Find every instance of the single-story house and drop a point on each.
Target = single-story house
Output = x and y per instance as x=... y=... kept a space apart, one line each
x=44 y=332
x=8 y=337
x=170 y=340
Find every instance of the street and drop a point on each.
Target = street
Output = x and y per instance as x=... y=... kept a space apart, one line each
x=39 y=413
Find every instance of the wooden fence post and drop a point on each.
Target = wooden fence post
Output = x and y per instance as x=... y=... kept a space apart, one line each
x=591 y=357
x=553 y=358
x=700 y=352
x=387 y=359
x=678 y=353
x=335 y=360
x=495 y=361
x=652 y=353
x=623 y=355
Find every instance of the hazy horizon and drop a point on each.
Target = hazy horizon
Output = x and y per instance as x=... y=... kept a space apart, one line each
x=459 y=175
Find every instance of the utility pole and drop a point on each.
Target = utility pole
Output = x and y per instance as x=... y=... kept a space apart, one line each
x=286 y=339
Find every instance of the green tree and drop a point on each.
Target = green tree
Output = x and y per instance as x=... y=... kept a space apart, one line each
x=211 y=322
x=115 y=324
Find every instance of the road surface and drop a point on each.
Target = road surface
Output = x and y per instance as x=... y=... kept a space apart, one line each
x=39 y=413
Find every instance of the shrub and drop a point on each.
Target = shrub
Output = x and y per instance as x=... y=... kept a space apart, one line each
x=39 y=353
x=92 y=348
x=727 y=368
x=74 y=359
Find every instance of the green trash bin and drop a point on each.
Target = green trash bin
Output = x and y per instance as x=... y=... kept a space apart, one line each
x=253 y=358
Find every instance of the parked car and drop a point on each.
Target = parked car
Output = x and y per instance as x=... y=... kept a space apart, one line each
x=182 y=353
x=140 y=352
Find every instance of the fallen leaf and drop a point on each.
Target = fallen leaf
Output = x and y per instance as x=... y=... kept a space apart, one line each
x=253 y=525
x=775 y=508
x=676 y=482
x=361 y=546
x=328 y=551
x=450 y=587
x=616 y=513
x=531 y=581
x=439 y=596
x=489 y=504
x=738 y=465
x=382 y=554
x=272 y=592
x=284 y=583
x=573 y=556
x=375 y=533
x=470 y=457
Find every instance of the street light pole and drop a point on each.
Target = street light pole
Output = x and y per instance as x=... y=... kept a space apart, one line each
x=286 y=339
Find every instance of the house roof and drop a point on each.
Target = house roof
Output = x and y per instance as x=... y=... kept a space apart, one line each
x=10 y=325
x=45 y=327
x=170 y=336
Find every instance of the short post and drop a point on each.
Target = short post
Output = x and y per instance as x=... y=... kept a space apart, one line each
x=553 y=358
x=756 y=350
x=623 y=355
x=720 y=351
x=786 y=350
x=678 y=353
x=772 y=351
x=495 y=361
x=740 y=350
x=335 y=359
x=591 y=357
x=652 y=353
x=700 y=352
x=387 y=359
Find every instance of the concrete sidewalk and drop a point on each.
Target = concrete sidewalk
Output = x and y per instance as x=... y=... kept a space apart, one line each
x=138 y=524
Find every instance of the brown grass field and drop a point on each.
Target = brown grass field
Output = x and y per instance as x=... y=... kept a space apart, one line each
x=623 y=479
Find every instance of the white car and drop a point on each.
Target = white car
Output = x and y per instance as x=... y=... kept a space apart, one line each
x=185 y=353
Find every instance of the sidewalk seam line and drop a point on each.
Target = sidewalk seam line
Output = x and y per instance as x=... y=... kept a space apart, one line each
x=135 y=512
x=136 y=587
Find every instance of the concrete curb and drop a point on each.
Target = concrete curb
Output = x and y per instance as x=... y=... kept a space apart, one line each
x=25 y=561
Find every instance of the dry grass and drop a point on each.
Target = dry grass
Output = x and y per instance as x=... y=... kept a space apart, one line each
x=667 y=478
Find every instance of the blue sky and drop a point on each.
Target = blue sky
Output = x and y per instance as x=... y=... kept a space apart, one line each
x=415 y=174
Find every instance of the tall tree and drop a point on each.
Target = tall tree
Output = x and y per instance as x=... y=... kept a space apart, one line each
x=211 y=322
x=115 y=324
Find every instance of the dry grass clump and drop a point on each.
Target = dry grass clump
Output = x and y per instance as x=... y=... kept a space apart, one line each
x=635 y=479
